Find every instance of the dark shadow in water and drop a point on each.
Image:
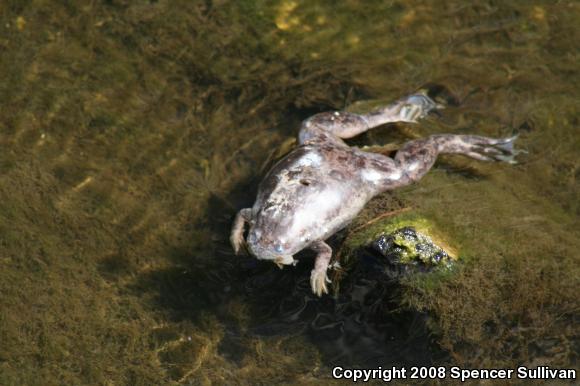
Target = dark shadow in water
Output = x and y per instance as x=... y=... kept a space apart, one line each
x=364 y=325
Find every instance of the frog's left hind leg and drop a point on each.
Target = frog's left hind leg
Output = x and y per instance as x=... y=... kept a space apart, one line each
x=330 y=126
x=415 y=158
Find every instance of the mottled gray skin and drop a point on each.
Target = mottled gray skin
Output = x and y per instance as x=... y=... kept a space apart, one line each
x=319 y=187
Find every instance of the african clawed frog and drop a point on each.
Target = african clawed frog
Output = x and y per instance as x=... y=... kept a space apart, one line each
x=320 y=186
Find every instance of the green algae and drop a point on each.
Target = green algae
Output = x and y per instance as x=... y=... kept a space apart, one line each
x=130 y=132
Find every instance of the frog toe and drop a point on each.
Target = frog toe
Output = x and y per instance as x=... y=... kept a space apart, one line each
x=237 y=242
x=318 y=282
x=501 y=150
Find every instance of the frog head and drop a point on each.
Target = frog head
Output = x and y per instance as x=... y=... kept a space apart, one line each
x=264 y=248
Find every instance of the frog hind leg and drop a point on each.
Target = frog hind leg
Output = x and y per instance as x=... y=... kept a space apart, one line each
x=332 y=126
x=415 y=158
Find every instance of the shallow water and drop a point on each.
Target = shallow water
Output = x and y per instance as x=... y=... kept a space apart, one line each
x=131 y=133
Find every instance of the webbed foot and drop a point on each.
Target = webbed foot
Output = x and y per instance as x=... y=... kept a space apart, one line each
x=417 y=106
x=497 y=150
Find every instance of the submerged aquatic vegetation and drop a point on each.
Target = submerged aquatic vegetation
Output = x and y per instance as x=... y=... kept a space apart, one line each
x=131 y=131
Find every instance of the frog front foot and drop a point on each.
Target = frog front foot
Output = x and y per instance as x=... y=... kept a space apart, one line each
x=318 y=281
x=237 y=235
x=318 y=276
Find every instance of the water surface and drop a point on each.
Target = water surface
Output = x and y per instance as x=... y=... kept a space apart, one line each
x=131 y=133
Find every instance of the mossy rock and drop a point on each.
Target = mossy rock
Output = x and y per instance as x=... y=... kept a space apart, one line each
x=405 y=243
x=409 y=246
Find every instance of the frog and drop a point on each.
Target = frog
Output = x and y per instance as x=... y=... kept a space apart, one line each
x=320 y=186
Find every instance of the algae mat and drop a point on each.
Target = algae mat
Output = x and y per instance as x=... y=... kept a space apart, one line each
x=131 y=132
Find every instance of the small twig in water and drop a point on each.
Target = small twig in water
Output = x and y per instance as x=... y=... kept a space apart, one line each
x=381 y=216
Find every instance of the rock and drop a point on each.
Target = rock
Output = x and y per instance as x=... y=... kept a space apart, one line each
x=408 y=246
x=397 y=246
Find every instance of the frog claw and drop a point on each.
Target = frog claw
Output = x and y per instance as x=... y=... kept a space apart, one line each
x=237 y=235
x=501 y=150
x=237 y=243
x=335 y=265
x=318 y=280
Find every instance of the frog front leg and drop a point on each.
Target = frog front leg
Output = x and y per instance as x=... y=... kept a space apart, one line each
x=318 y=276
x=237 y=234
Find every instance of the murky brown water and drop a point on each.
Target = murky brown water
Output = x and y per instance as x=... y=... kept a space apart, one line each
x=131 y=132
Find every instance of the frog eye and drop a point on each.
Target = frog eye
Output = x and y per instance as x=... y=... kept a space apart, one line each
x=278 y=248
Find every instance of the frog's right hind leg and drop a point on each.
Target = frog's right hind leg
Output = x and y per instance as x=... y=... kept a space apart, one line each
x=416 y=157
x=330 y=126
x=237 y=234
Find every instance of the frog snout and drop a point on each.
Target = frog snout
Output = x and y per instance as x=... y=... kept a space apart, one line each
x=265 y=249
x=260 y=246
